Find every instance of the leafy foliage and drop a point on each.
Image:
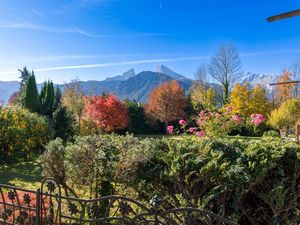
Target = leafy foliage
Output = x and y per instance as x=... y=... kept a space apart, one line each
x=22 y=134
x=286 y=116
x=138 y=122
x=203 y=98
x=73 y=99
x=107 y=112
x=63 y=124
x=166 y=103
x=245 y=101
x=251 y=182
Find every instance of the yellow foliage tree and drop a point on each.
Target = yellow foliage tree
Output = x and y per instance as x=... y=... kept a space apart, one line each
x=203 y=97
x=245 y=101
x=286 y=116
x=259 y=102
x=73 y=98
x=240 y=98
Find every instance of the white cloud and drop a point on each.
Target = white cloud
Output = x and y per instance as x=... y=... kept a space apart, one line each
x=112 y=64
x=76 y=30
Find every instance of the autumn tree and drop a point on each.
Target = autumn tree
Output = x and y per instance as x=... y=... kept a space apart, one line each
x=166 y=103
x=13 y=99
x=286 y=116
x=240 y=99
x=246 y=101
x=107 y=112
x=73 y=99
x=203 y=97
x=284 y=91
x=225 y=67
x=259 y=102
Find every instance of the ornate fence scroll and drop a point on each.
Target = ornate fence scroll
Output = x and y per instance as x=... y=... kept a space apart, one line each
x=48 y=206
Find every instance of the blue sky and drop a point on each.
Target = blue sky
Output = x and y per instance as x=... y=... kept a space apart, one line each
x=95 y=39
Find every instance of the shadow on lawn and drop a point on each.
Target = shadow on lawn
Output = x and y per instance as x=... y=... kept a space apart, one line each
x=23 y=174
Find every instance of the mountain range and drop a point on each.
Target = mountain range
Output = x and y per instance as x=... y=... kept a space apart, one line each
x=130 y=85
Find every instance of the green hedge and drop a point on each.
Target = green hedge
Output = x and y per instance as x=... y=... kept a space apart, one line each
x=248 y=181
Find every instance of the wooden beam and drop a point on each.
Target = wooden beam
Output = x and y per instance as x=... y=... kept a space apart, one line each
x=283 y=83
x=284 y=15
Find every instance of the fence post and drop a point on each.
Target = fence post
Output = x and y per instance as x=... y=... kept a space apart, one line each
x=38 y=206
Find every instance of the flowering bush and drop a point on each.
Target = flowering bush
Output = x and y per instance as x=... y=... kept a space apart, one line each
x=170 y=129
x=218 y=124
x=257 y=119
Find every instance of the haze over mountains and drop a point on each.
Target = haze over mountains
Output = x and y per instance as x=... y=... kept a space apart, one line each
x=137 y=86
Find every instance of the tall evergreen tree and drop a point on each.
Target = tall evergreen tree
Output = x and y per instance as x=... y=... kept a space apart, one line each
x=63 y=123
x=57 y=100
x=31 y=95
x=20 y=94
x=25 y=74
x=47 y=98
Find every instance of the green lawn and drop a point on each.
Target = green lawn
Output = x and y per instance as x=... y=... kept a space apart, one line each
x=24 y=174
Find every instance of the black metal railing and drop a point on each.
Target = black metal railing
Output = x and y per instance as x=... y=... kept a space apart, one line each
x=47 y=205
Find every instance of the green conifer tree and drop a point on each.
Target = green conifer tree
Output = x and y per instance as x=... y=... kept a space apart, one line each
x=57 y=100
x=63 y=123
x=47 y=98
x=31 y=95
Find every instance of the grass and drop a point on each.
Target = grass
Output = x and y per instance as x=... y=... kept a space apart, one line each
x=24 y=174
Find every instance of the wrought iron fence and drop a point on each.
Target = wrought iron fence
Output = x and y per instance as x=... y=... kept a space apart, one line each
x=47 y=205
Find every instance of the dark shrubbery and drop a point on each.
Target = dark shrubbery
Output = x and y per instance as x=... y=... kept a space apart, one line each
x=253 y=182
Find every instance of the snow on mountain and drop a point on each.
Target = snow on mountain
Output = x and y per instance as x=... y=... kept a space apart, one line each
x=254 y=79
x=167 y=71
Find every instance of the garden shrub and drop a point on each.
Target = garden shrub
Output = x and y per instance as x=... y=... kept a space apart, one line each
x=251 y=182
x=271 y=133
x=22 y=134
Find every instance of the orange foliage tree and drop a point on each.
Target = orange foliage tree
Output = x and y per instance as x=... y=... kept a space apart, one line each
x=284 y=91
x=166 y=103
x=107 y=112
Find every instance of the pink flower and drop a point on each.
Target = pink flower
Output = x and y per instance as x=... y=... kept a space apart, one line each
x=192 y=129
x=182 y=122
x=202 y=113
x=200 y=134
x=237 y=118
x=257 y=119
x=170 y=129
x=228 y=109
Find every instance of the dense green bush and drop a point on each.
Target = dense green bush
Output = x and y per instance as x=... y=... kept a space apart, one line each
x=22 y=134
x=251 y=182
x=271 y=133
